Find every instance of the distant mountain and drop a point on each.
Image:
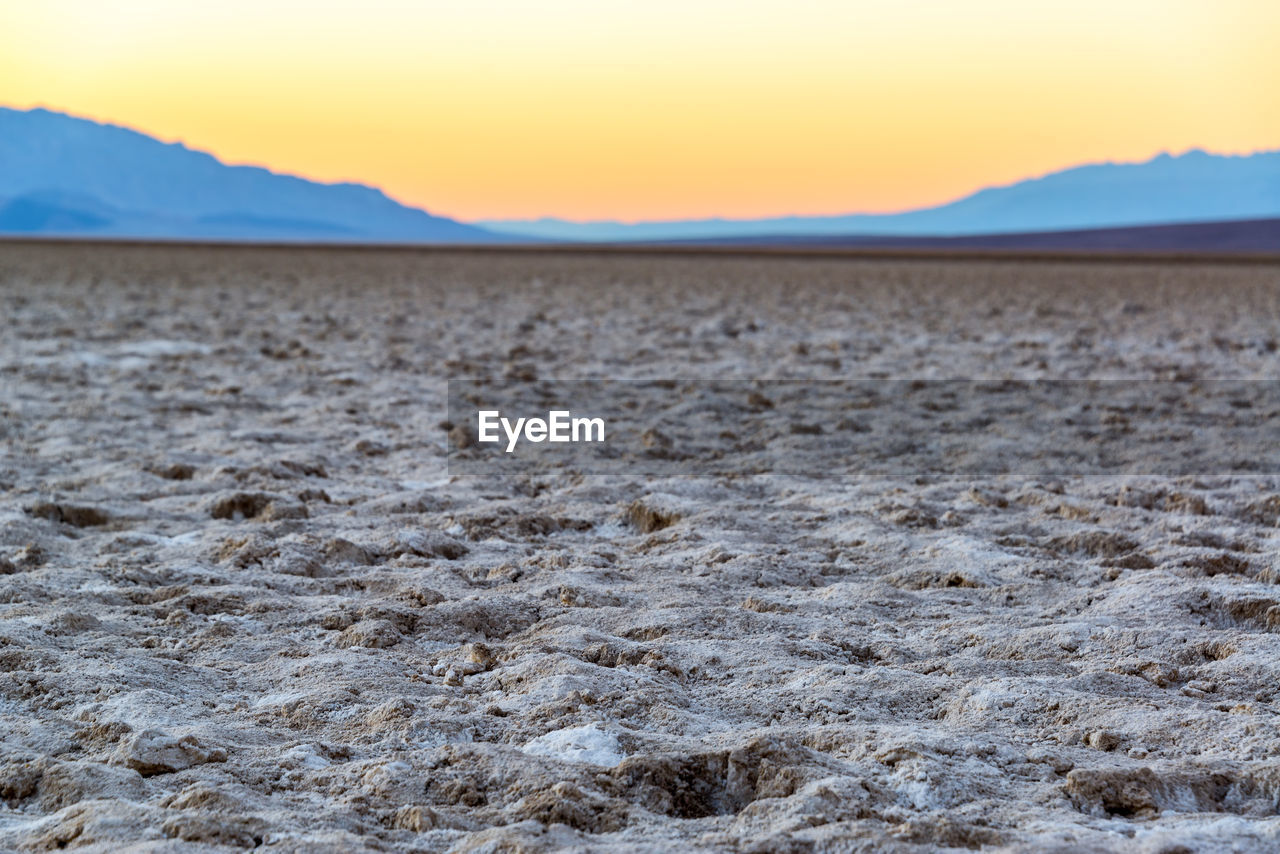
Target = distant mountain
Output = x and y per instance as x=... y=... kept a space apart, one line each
x=1192 y=187
x=61 y=175
x=67 y=176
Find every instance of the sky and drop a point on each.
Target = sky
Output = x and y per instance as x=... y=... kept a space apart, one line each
x=660 y=109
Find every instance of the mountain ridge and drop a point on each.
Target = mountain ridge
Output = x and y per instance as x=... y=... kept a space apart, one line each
x=145 y=187
x=1195 y=186
x=62 y=175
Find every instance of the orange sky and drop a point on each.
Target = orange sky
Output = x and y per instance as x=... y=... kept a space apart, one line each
x=589 y=109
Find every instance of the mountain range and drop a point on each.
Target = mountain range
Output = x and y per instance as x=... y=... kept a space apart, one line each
x=62 y=175
x=1192 y=187
x=66 y=176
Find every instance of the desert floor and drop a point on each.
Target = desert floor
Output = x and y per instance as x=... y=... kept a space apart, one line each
x=244 y=604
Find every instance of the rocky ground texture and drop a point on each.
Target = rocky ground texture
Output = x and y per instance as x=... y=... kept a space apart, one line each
x=243 y=603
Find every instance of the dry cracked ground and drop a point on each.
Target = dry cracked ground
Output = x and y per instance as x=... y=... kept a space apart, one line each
x=243 y=604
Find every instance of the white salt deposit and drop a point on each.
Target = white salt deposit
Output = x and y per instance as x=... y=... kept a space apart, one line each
x=591 y=744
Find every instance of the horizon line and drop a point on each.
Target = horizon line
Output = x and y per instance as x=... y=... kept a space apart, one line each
x=551 y=218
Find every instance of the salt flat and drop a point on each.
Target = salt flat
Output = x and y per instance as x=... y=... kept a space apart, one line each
x=245 y=603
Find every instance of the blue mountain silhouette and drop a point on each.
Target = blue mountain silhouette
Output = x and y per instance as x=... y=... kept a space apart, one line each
x=1192 y=187
x=70 y=176
x=62 y=175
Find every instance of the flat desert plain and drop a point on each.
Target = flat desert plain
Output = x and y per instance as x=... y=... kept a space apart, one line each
x=244 y=604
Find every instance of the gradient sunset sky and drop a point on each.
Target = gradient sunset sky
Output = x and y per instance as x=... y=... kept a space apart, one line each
x=660 y=109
